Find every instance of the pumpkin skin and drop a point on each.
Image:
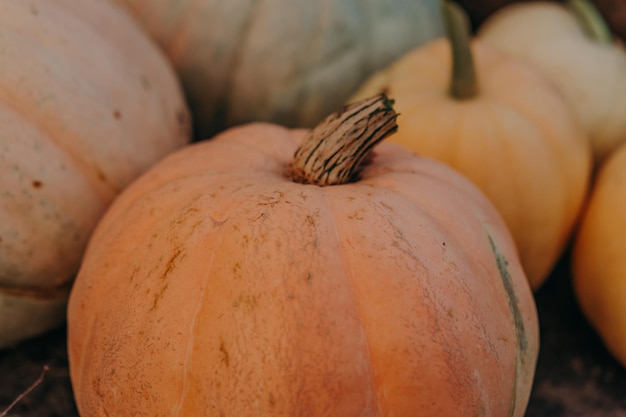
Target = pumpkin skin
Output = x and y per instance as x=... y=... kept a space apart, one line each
x=215 y=285
x=285 y=61
x=517 y=140
x=598 y=264
x=591 y=75
x=87 y=103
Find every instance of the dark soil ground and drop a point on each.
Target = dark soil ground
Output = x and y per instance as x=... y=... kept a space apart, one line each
x=575 y=376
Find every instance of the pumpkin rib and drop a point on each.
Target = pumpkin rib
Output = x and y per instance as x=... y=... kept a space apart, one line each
x=34 y=114
x=506 y=152
x=516 y=317
x=550 y=145
x=93 y=321
x=508 y=290
x=453 y=240
x=245 y=35
x=188 y=359
x=105 y=235
x=40 y=116
x=44 y=221
x=99 y=182
x=350 y=280
x=459 y=141
x=71 y=54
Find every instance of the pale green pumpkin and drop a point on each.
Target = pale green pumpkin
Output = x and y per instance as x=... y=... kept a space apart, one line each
x=286 y=61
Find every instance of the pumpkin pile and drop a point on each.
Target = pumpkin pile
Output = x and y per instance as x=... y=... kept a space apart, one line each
x=290 y=262
x=573 y=46
x=536 y=144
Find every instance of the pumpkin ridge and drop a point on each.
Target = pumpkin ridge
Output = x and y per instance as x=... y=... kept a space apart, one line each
x=378 y=181
x=188 y=359
x=516 y=212
x=301 y=79
x=100 y=185
x=350 y=281
x=453 y=241
x=518 y=321
x=223 y=102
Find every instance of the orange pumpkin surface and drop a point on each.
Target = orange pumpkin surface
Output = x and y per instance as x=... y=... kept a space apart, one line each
x=598 y=261
x=217 y=285
x=87 y=103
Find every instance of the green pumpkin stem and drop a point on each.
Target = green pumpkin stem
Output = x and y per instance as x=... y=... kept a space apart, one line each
x=591 y=20
x=334 y=151
x=464 y=83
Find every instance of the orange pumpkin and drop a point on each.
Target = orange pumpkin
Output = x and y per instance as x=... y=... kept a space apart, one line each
x=501 y=124
x=87 y=103
x=598 y=261
x=229 y=280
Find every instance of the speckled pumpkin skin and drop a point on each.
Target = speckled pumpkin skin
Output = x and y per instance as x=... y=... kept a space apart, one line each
x=87 y=103
x=216 y=286
x=286 y=61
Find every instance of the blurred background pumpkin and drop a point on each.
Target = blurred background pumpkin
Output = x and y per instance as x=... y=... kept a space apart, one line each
x=573 y=47
x=614 y=11
x=87 y=103
x=285 y=61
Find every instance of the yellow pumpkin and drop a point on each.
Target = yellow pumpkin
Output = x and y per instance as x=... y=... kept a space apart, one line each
x=352 y=279
x=87 y=103
x=587 y=66
x=499 y=122
x=599 y=255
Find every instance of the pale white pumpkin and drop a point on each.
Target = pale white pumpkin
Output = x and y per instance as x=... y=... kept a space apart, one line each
x=590 y=73
x=87 y=103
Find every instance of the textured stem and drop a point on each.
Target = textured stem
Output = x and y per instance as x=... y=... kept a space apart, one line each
x=464 y=83
x=591 y=20
x=334 y=151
